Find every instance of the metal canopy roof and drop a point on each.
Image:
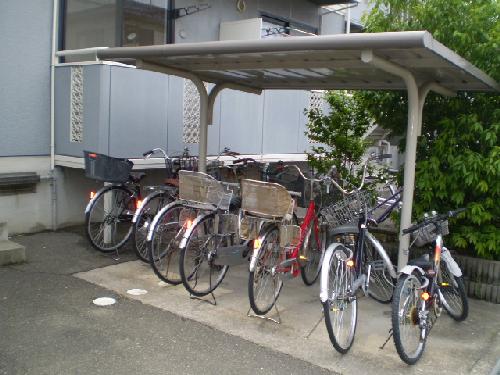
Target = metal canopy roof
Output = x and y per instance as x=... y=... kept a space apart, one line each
x=323 y=62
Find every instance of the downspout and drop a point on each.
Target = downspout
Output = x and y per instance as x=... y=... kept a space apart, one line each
x=170 y=22
x=53 y=61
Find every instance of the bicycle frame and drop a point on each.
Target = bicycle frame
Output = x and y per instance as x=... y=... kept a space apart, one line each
x=364 y=234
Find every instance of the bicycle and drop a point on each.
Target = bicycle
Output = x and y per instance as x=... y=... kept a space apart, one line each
x=159 y=197
x=424 y=287
x=185 y=234
x=348 y=267
x=108 y=215
x=281 y=247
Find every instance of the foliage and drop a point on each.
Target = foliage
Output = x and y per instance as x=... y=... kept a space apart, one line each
x=338 y=136
x=458 y=161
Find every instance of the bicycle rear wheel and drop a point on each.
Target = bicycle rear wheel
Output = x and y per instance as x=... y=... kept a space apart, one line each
x=409 y=332
x=313 y=249
x=163 y=244
x=341 y=306
x=199 y=274
x=264 y=283
x=108 y=221
x=152 y=204
x=453 y=290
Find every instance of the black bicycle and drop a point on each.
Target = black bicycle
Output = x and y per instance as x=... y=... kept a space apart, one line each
x=426 y=286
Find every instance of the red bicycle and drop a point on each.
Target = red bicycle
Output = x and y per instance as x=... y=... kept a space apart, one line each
x=281 y=248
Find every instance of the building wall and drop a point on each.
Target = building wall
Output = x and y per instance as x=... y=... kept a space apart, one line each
x=25 y=35
x=204 y=25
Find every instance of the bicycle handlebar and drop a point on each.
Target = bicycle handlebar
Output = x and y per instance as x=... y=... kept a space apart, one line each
x=433 y=219
x=149 y=153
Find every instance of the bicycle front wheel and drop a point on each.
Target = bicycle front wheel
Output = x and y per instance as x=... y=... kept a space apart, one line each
x=163 y=244
x=264 y=283
x=381 y=284
x=453 y=291
x=199 y=274
x=410 y=333
x=152 y=204
x=312 y=251
x=108 y=221
x=341 y=306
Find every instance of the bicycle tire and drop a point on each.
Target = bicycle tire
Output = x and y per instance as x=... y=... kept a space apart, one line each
x=313 y=249
x=405 y=319
x=152 y=204
x=200 y=247
x=269 y=251
x=381 y=285
x=452 y=288
x=118 y=219
x=341 y=298
x=163 y=244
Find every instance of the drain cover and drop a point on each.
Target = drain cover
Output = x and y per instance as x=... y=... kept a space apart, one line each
x=104 y=301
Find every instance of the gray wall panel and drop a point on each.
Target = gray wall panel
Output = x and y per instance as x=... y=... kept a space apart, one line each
x=282 y=111
x=241 y=121
x=96 y=85
x=25 y=79
x=138 y=111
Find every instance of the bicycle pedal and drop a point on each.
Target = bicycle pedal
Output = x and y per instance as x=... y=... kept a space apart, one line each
x=287 y=263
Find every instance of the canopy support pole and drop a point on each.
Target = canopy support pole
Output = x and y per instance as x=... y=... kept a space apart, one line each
x=414 y=125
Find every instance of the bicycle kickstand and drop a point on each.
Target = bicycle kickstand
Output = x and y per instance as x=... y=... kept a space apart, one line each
x=316 y=325
x=250 y=314
x=213 y=302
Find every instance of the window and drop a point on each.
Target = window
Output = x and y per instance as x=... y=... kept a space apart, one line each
x=111 y=23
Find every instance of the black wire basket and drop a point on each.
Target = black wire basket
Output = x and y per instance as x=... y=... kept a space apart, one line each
x=106 y=168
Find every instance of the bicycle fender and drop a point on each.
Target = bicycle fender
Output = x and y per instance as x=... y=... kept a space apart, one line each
x=323 y=294
x=187 y=233
x=157 y=217
x=451 y=264
x=97 y=195
x=144 y=203
x=408 y=270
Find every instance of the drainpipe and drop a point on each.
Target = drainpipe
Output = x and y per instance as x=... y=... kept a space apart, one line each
x=53 y=61
x=171 y=22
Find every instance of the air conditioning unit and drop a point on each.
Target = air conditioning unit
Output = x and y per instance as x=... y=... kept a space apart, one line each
x=241 y=30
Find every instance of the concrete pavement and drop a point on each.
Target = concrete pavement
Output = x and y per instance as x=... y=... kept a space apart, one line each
x=49 y=325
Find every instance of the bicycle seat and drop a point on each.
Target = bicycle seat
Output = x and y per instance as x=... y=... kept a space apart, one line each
x=136 y=177
x=422 y=262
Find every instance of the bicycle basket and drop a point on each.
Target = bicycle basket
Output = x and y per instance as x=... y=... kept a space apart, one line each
x=348 y=209
x=106 y=168
x=428 y=234
x=199 y=187
x=265 y=199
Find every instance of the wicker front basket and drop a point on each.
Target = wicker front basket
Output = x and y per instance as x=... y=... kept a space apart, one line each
x=199 y=187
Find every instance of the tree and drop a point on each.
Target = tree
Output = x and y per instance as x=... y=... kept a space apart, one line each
x=458 y=161
x=338 y=136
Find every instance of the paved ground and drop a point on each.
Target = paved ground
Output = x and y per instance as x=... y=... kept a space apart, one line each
x=48 y=324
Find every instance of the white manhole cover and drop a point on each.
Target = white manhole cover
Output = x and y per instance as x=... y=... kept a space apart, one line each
x=104 y=301
x=136 y=292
